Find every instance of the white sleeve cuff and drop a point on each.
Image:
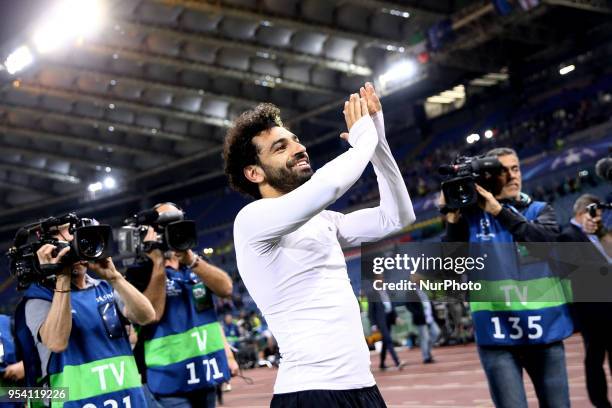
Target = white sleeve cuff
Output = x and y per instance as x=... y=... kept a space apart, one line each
x=360 y=129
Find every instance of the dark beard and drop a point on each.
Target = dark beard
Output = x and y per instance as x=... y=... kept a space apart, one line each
x=284 y=179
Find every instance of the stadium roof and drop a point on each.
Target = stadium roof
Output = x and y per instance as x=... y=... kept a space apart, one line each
x=147 y=100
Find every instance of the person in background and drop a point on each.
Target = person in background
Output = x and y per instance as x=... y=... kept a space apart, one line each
x=382 y=315
x=422 y=317
x=594 y=319
x=72 y=331
x=11 y=370
x=515 y=336
x=231 y=330
x=183 y=355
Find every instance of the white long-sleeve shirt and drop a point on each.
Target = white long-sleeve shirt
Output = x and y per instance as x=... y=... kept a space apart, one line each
x=289 y=255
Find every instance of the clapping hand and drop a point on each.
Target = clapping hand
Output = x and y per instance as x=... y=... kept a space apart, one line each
x=369 y=94
x=354 y=109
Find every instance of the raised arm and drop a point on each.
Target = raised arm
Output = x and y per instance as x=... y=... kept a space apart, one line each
x=155 y=290
x=138 y=308
x=265 y=221
x=55 y=330
x=212 y=276
x=543 y=229
x=395 y=209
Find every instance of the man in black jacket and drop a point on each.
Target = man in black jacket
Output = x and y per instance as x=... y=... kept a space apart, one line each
x=517 y=337
x=593 y=319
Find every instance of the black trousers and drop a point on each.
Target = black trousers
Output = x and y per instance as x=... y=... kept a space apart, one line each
x=384 y=321
x=597 y=342
x=387 y=342
x=358 y=398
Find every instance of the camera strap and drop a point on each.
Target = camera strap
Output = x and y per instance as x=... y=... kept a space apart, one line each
x=149 y=246
x=445 y=210
x=51 y=269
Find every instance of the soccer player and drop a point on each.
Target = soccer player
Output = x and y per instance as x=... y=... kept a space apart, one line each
x=288 y=247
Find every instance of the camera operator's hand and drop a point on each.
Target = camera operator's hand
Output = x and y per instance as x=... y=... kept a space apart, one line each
x=488 y=202
x=14 y=372
x=233 y=366
x=369 y=93
x=45 y=257
x=45 y=254
x=105 y=269
x=186 y=257
x=451 y=216
x=155 y=255
x=151 y=235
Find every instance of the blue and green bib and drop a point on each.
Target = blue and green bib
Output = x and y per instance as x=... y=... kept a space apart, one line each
x=98 y=366
x=521 y=302
x=184 y=351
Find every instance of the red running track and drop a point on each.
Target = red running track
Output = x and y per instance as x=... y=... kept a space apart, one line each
x=455 y=380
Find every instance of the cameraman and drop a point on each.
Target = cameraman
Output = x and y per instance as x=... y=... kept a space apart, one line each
x=515 y=335
x=76 y=331
x=184 y=354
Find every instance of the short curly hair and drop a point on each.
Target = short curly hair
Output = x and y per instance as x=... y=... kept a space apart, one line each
x=239 y=150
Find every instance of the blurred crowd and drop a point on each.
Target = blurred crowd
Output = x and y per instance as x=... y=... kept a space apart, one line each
x=541 y=132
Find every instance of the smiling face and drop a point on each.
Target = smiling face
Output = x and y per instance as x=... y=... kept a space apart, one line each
x=283 y=162
x=509 y=181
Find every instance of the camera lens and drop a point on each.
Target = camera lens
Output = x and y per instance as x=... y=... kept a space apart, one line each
x=181 y=235
x=91 y=246
x=92 y=241
x=180 y=239
x=459 y=192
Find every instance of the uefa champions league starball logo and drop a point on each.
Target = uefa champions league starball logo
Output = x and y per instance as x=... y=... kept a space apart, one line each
x=485 y=233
